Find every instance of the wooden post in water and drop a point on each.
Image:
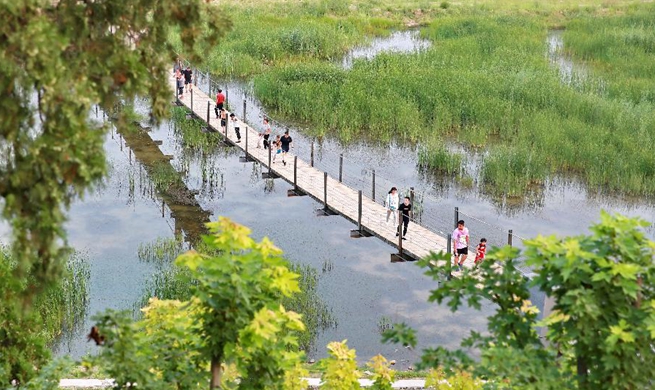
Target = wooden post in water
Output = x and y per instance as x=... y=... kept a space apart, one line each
x=456 y=216
x=209 y=103
x=510 y=236
x=340 y=167
x=373 y=186
x=359 y=213
x=311 y=155
x=244 y=110
x=325 y=177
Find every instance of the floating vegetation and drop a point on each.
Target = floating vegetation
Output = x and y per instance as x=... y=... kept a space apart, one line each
x=384 y=324
x=328 y=265
x=316 y=314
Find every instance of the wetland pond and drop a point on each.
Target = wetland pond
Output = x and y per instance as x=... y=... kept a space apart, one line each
x=362 y=288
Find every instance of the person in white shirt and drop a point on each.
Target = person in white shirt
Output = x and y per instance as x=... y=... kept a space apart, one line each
x=391 y=203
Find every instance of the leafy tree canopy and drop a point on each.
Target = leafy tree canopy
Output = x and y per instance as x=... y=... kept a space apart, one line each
x=58 y=58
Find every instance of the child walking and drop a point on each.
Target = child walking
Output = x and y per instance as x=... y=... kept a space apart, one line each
x=277 y=144
x=480 y=251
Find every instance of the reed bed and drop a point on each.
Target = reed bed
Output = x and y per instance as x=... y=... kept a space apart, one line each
x=485 y=84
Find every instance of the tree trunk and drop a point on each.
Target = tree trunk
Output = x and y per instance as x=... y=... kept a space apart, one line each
x=582 y=372
x=217 y=374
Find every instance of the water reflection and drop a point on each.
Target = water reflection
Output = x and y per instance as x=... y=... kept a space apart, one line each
x=398 y=42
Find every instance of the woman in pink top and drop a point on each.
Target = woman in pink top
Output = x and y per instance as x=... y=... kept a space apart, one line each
x=461 y=244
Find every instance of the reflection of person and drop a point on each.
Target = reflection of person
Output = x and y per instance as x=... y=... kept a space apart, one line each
x=481 y=250
x=285 y=142
x=392 y=204
x=404 y=209
x=461 y=244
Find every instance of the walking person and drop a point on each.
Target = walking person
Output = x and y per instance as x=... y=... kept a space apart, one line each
x=277 y=144
x=237 y=130
x=405 y=208
x=220 y=100
x=391 y=203
x=461 y=244
x=188 y=78
x=224 y=121
x=285 y=142
x=481 y=251
x=180 y=85
x=267 y=133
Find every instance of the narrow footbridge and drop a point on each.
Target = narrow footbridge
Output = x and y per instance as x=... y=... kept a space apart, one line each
x=335 y=196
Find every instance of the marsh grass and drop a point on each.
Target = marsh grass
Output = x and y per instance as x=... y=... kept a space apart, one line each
x=190 y=132
x=163 y=251
x=62 y=307
x=486 y=83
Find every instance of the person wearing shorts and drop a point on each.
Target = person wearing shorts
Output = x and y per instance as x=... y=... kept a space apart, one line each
x=237 y=130
x=461 y=244
x=285 y=142
x=220 y=100
x=188 y=78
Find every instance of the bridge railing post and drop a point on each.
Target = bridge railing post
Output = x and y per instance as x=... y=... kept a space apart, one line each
x=311 y=156
x=295 y=173
x=209 y=85
x=246 y=127
x=244 y=110
x=359 y=212
x=341 y=168
x=449 y=265
x=227 y=96
x=325 y=180
x=192 y=102
x=510 y=236
x=456 y=216
x=208 y=109
x=399 y=234
x=411 y=201
x=269 y=160
x=373 y=186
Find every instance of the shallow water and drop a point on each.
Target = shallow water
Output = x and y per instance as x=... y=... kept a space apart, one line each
x=406 y=42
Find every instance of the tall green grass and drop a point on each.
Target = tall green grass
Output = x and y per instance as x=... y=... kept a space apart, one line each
x=486 y=84
x=63 y=306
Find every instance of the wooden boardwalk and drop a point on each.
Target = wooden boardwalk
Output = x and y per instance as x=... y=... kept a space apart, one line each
x=341 y=199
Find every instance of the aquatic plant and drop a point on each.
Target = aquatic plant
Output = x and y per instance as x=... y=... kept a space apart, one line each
x=162 y=251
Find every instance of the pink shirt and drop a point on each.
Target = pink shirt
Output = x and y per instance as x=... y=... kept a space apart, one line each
x=459 y=236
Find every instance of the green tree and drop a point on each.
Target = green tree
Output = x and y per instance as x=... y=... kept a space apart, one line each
x=241 y=282
x=600 y=333
x=58 y=59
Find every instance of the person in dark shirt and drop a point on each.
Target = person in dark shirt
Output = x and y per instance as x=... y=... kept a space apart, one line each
x=188 y=78
x=405 y=208
x=285 y=142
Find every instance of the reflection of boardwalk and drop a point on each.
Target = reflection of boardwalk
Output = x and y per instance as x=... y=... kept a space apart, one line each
x=340 y=198
x=189 y=217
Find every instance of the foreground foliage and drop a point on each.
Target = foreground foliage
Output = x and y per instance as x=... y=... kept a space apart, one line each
x=600 y=333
